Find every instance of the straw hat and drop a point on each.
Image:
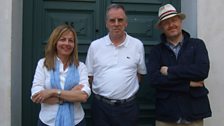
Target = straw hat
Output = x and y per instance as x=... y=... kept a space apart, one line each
x=168 y=11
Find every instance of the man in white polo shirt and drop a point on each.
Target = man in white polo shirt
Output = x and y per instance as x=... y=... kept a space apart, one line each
x=115 y=64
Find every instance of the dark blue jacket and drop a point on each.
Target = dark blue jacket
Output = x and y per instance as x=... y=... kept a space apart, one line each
x=174 y=96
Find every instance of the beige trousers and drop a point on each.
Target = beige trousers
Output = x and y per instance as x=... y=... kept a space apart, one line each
x=195 y=123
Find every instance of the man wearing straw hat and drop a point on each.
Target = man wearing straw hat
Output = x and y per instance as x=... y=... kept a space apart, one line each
x=178 y=67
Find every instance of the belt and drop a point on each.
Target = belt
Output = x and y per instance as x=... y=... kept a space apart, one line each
x=114 y=101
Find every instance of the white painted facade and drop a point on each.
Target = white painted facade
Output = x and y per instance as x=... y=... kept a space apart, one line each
x=204 y=20
x=5 y=56
x=209 y=21
x=210 y=28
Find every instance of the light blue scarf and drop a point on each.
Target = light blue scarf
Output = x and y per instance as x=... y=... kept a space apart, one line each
x=65 y=114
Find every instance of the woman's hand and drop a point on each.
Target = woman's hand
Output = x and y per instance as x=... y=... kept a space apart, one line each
x=78 y=87
x=41 y=96
x=75 y=94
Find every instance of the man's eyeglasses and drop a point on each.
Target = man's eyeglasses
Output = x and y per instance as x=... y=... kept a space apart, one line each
x=116 y=20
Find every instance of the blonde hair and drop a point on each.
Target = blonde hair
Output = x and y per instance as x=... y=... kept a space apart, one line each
x=51 y=50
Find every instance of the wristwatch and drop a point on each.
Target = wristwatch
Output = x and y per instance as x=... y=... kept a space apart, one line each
x=59 y=93
x=60 y=101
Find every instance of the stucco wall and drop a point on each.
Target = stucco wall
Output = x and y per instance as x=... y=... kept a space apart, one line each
x=5 y=60
x=189 y=8
x=210 y=28
x=205 y=20
x=10 y=62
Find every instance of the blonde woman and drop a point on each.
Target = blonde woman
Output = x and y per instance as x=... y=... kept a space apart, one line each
x=61 y=81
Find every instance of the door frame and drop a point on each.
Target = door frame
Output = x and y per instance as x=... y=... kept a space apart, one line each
x=28 y=65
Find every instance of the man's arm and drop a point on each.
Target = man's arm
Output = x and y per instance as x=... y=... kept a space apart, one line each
x=164 y=71
x=158 y=80
x=197 y=71
x=90 y=81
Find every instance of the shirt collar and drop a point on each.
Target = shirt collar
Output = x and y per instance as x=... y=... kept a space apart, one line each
x=124 y=43
x=172 y=45
x=61 y=65
x=58 y=59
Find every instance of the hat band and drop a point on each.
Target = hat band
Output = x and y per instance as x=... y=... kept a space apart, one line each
x=162 y=17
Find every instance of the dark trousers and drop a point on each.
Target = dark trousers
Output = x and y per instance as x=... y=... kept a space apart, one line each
x=82 y=123
x=104 y=114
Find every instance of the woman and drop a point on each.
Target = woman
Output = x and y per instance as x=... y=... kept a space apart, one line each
x=61 y=81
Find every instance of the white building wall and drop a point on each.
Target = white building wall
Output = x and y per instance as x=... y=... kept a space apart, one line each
x=189 y=8
x=5 y=62
x=10 y=62
x=205 y=20
x=211 y=29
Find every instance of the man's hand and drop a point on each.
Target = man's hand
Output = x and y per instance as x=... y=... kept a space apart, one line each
x=164 y=70
x=197 y=84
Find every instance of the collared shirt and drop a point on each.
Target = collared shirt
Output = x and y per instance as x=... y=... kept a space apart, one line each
x=41 y=81
x=175 y=48
x=114 y=69
x=182 y=121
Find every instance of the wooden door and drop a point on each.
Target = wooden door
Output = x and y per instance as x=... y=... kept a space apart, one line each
x=88 y=18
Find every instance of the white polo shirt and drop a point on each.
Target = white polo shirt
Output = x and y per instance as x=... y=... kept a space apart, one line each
x=114 y=69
